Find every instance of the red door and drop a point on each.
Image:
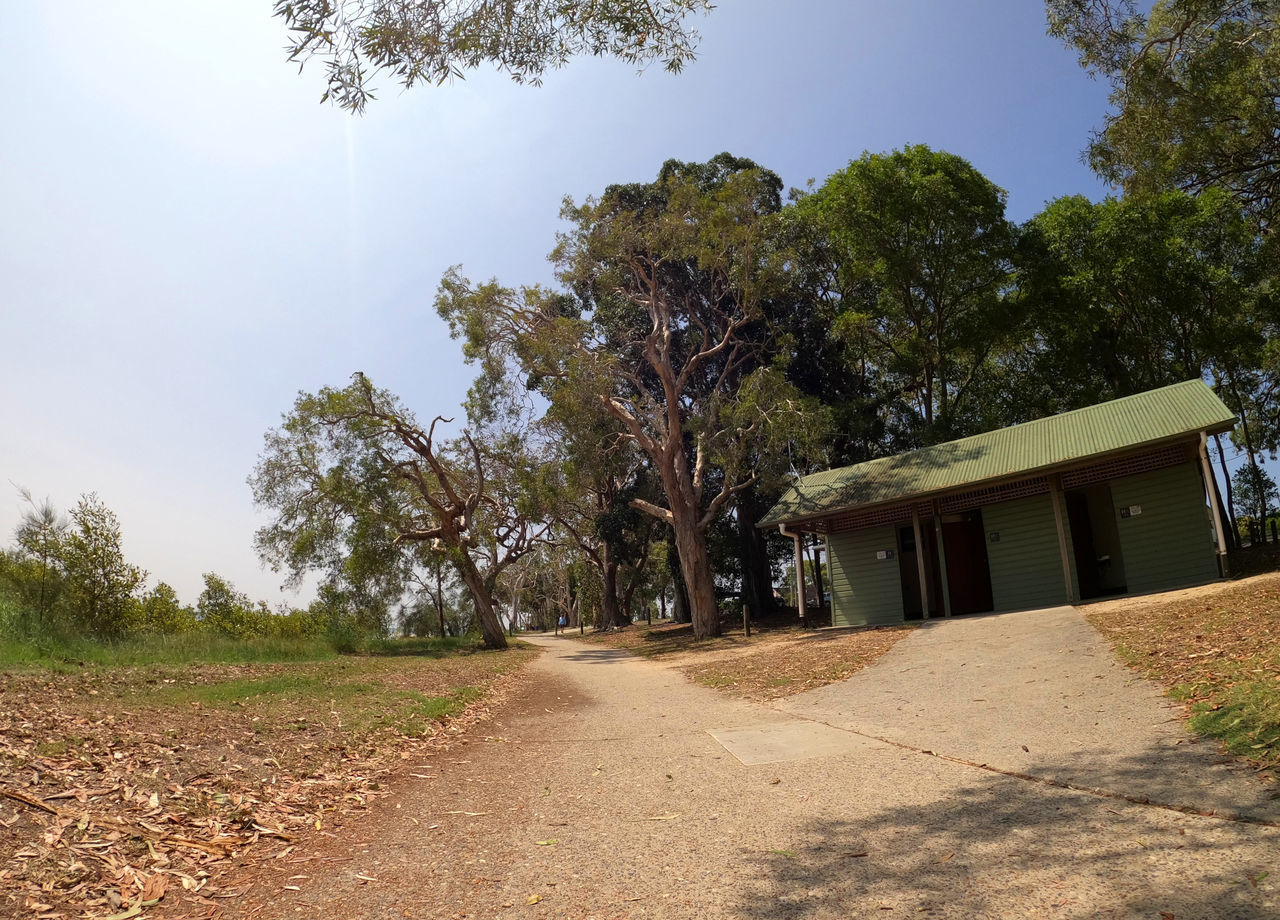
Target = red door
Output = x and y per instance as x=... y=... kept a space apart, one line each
x=968 y=573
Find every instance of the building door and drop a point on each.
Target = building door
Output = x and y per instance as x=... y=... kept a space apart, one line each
x=1086 y=553
x=968 y=572
x=1096 y=541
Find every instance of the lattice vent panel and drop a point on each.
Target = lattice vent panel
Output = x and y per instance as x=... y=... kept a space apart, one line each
x=874 y=517
x=1127 y=466
x=993 y=494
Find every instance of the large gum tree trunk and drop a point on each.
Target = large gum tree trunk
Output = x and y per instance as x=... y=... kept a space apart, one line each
x=490 y=628
x=610 y=615
x=695 y=565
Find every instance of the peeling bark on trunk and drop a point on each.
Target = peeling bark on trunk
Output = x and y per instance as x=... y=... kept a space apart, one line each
x=680 y=602
x=610 y=618
x=695 y=566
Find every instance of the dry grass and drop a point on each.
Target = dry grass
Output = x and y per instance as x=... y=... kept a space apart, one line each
x=123 y=786
x=783 y=665
x=775 y=661
x=1218 y=649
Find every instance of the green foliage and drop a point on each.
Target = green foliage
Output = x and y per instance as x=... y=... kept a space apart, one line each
x=362 y=492
x=437 y=41
x=35 y=570
x=922 y=255
x=100 y=585
x=1254 y=493
x=1136 y=293
x=1194 y=85
x=225 y=611
x=160 y=612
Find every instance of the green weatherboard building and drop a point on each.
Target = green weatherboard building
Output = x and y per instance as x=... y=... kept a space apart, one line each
x=1112 y=499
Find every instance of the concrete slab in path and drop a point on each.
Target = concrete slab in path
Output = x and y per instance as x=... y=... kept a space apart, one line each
x=778 y=742
x=1040 y=693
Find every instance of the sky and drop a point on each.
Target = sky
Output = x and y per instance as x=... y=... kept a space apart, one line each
x=188 y=238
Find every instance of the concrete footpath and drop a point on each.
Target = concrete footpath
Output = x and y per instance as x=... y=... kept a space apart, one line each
x=1041 y=693
x=617 y=789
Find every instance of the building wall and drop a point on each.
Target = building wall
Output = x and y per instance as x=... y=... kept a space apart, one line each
x=1026 y=565
x=1169 y=544
x=865 y=590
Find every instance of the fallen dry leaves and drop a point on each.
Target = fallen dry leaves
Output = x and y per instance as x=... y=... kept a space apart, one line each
x=1184 y=638
x=113 y=800
x=1217 y=648
x=795 y=662
x=778 y=659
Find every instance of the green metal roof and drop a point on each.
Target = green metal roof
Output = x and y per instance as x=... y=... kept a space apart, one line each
x=1033 y=447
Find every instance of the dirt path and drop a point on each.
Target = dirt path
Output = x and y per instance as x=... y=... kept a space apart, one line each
x=603 y=795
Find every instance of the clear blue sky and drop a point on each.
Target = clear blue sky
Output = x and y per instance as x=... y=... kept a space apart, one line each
x=187 y=238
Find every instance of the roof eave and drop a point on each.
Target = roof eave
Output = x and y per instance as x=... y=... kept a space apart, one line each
x=1218 y=428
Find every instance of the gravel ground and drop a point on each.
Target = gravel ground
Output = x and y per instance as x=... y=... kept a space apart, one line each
x=601 y=794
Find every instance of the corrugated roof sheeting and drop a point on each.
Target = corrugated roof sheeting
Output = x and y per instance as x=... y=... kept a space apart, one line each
x=1145 y=418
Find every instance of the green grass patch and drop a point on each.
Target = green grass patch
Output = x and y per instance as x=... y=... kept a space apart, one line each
x=61 y=653
x=64 y=653
x=278 y=686
x=1245 y=718
x=422 y=646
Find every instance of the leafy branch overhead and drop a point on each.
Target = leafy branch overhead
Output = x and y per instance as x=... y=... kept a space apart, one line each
x=434 y=41
x=1195 y=89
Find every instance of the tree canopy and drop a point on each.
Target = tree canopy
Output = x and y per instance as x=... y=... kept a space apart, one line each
x=434 y=41
x=1195 y=86
x=920 y=254
x=355 y=481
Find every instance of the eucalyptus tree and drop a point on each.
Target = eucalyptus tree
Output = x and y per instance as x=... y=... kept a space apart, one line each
x=435 y=41
x=351 y=473
x=1140 y=292
x=1194 y=90
x=666 y=284
x=1255 y=494
x=922 y=255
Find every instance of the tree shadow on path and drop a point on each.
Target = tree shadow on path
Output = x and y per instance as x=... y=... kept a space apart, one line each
x=970 y=844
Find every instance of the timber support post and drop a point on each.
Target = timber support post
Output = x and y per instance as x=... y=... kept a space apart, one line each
x=1215 y=503
x=920 y=569
x=1059 y=520
x=942 y=558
